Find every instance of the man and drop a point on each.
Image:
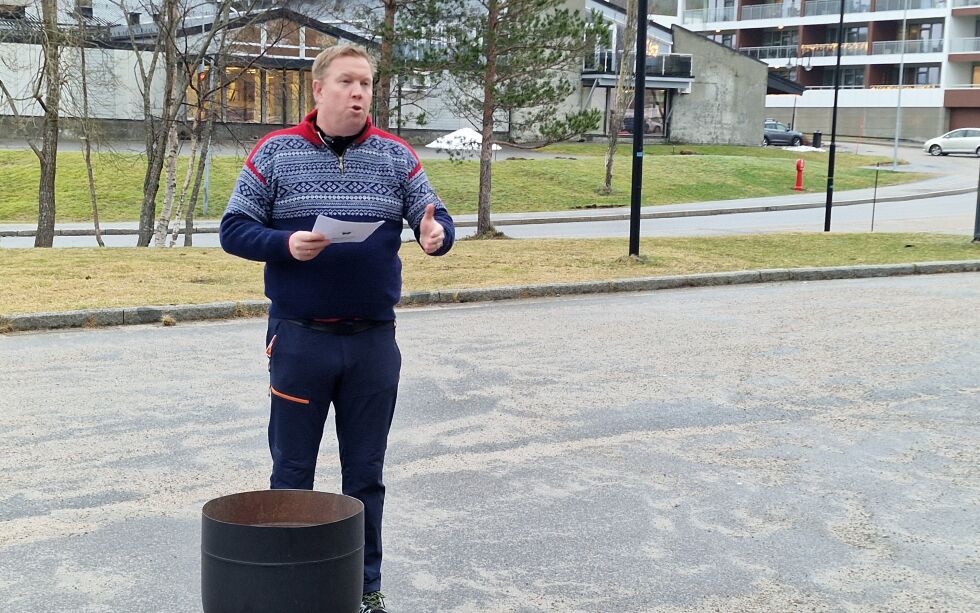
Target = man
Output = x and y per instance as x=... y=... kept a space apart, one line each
x=331 y=336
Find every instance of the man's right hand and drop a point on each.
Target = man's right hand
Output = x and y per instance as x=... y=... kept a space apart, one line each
x=306 y=245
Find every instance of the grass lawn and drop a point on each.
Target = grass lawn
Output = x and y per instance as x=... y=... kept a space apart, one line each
x=519 y=185
x=39 y=280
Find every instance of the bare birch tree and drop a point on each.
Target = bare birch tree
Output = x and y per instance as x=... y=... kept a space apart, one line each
x=623 y=92
x=87 y=132
x=49 y=79
x=190 y=59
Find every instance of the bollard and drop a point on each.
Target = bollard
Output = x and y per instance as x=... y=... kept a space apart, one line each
x=800 y=164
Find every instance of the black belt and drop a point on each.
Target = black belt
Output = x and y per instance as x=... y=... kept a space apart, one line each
x=342 y=328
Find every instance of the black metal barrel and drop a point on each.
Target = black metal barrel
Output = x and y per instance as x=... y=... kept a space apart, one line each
x=282 y=551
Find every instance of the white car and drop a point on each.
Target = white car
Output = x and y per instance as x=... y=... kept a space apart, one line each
x=964 y=140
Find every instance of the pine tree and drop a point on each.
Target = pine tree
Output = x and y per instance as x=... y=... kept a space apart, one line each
x=519 y=61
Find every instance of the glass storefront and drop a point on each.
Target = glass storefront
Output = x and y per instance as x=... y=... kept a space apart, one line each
x=275 y=96
x=258 y=95
x=240 y=98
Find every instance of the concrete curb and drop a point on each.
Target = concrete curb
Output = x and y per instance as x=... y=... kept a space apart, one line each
x=168 y=315
x=505 y=221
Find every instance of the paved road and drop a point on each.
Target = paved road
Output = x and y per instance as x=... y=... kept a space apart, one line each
x=786 y=447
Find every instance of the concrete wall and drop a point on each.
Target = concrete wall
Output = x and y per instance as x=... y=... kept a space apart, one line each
x=727 y=100
x=111 y=76
x=918 y=124
x=866 y=113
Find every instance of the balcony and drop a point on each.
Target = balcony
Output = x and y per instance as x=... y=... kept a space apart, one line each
x=899 y=5
x=896 y=47
x=965 y=45
x=667 y=65
x=780 y=52
x=769 y=11
x=832 y=7
x=830 y=49
x=708 y=15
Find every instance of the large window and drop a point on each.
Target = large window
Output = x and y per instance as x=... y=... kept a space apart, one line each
x=922 y=75
x=268 y=95
x=725 y=38
x=850 y=76
x=925 y=31
x=855 y=34
x=275 y=96
x=779 y=38
x=241 y=96
x=294 y=101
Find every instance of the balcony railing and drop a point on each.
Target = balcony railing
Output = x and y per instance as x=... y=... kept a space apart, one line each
x=706 y=15
x=769 y=11
x=667 y=65
x=958 y=4
x=899 y=5
x=964 y=45
x=780 y=52
x=907 y=86
x=886 y=47
x=832 y=7
x=830 y=49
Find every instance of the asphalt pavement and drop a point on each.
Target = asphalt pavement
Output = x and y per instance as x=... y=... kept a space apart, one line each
x=790 y=447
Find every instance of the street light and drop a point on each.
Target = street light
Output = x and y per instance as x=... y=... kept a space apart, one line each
x=805 y=60
x=976 y=220
x=639 y=113
x=833 y=124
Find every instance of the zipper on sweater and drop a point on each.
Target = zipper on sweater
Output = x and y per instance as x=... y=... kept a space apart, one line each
x=340 y=160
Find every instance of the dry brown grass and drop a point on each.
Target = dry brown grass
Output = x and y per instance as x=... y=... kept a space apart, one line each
x=38 y=280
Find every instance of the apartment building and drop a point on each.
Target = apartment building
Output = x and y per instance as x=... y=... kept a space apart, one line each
x=922 y=56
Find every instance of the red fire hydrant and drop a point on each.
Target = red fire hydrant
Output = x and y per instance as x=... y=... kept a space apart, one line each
x=800 y=164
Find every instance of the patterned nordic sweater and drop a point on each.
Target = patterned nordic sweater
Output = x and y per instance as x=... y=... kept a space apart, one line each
x=289 y=178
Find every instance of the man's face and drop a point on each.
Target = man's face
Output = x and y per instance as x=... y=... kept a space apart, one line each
x=343 y=96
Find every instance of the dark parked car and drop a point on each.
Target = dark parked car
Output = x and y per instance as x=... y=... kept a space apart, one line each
x=775 y=133
x=648 y=126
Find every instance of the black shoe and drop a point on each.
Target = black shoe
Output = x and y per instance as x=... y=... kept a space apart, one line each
x=373 y=602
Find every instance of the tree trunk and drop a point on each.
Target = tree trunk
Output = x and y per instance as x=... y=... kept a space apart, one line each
x=208 y=107
x=382 y=102
x=170 y=191
x=202 y=165
x=484 y=227
x=87 y=136
x=156 y=153
x=186 y=186
x=48 y=157
x=623 y=91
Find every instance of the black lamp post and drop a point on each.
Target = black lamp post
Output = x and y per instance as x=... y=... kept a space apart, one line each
x=639 y=114
x=833 y=123
x=976 y=219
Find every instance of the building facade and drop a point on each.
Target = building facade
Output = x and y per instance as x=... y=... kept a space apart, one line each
x=922 y=56
x=260 y=80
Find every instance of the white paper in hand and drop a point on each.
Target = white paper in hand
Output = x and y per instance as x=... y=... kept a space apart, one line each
x=344 y=231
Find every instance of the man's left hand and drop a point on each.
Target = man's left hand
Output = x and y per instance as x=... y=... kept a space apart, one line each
x=431 y=232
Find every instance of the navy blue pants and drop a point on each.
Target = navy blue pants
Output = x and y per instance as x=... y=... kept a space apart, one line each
x=358 y=373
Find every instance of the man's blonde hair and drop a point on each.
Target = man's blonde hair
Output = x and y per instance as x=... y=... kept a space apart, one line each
x=328 y=55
